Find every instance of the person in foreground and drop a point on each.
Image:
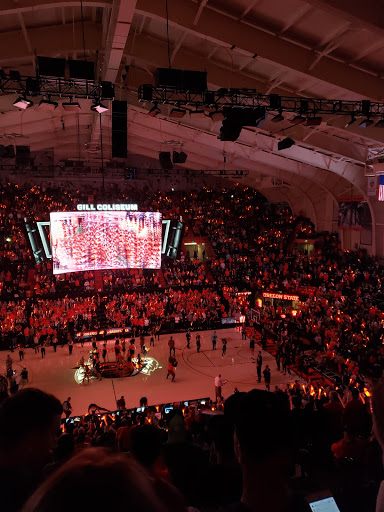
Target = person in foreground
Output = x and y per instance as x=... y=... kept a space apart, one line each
x=95 y=480
x=29 y=429
x=263 y=443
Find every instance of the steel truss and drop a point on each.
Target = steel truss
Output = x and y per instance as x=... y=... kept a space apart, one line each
x=250 y=98
x=59 y=87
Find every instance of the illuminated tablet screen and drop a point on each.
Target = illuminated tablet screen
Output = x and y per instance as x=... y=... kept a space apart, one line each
x=105 y=240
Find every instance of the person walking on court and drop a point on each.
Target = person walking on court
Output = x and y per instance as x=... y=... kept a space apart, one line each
x=267 y=377
x=243 y=332
x=171 y=345
x=152 y=341
x=259 y=363
x=214 y=340
x=219 y=382
x=198 y=342
x=104 y=352
x=224 y=351
x=252 y=347
x=21 y=354
x=70 y=346
x=172 y=363
x=42 y=350
x=188 y=336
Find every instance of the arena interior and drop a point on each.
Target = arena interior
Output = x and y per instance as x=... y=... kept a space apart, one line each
x=192 y=255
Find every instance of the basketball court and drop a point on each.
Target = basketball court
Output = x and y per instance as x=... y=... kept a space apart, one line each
x=195 y=372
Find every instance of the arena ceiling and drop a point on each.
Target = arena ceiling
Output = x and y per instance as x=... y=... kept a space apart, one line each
x=303 y=48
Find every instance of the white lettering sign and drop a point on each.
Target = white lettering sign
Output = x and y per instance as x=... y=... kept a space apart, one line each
x=107 y=207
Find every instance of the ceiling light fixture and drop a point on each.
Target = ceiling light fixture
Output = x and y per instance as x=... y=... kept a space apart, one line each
x=277 y=118
x=154 y=111
x=71 y=106
x=365 y=123
x=47 y=105
x=197 y=114
x=298 y=120
x=314 y=121
x=216 y=116
x=99 y=107
x=177 y=113
x=22 y=103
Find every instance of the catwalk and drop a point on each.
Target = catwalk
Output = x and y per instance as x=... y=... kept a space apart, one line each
x=195 y=372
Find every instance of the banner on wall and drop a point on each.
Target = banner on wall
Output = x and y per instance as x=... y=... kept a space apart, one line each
x=372 y=186
x=354 y=215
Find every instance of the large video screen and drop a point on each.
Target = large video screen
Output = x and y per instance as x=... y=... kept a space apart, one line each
x=105 y=240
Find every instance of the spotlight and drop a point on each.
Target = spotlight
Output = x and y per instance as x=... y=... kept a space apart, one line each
x=285 y=144
x=71 y=106
x=365 y=123
x=314 y=121
x=380 y=124
x=47 y=105
x=99 y=107
x=154 y=111
x=177 y=113
x=22 y=103
x=197 y=114
x=351 y=121
x=298 y=120
x=216 y=116
x=277 y=118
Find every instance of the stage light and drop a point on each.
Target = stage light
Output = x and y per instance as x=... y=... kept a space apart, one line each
x=99 y=107
x=216 y=116
x=47 y=105
x=365 y=123
x=380 y=123
x=277 y=118
x=285 y=144
x=154 y=111
x=298 y=120
x=351 y=121
x=314 y=121
x=71 y=106
x=22 y=103
x=197 y=114
x=177 y=113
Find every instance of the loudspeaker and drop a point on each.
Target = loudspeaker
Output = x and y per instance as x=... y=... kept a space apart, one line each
x=165 y=160
x=173 y=245
x=107 y=90
x=165 y=77
x=23 y=154
x=179 y=158
x=47 y=66
x=119 y=129
x=7 y=151
x=81 y=69
x=195 y=81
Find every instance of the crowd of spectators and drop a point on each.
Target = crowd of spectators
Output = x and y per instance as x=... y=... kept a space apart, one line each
x=223 y=456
